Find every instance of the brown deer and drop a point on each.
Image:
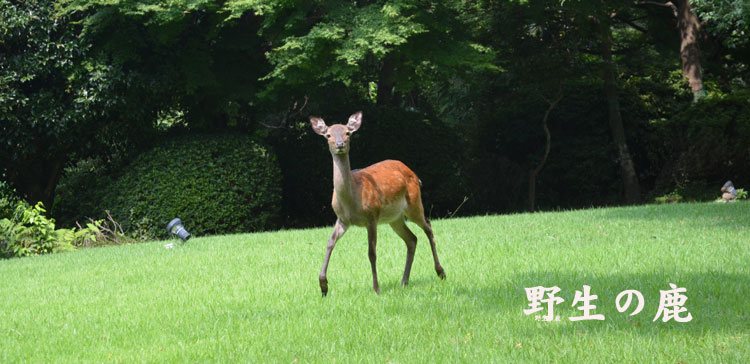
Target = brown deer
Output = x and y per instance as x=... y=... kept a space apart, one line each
x=384 y=192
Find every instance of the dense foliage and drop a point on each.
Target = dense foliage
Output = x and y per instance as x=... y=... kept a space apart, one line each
x=217 y=184
x=29 y=232
x=508 y=104
x=58 y=103
x=8 y=200
x=709 y=144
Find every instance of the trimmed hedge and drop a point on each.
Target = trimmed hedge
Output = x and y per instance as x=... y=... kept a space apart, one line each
x=217 y=184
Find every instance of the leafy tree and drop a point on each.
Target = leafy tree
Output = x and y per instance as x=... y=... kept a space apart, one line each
x=600 y=20
x=53 y=99
x=385 y=51
x=525 y=31
x=689 y=29
x=98 y=77
x=245 y=58
x=88 y=81
x=200 y=67
x=726 y=26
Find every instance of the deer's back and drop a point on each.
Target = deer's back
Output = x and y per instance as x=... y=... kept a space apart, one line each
x=386 y=189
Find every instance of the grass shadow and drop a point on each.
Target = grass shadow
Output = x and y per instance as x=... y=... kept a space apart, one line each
x=716 y=300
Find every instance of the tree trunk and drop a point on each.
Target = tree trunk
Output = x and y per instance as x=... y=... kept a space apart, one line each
x=385 y=83
x=690 y=54
x=627 y=168
x=535 y=171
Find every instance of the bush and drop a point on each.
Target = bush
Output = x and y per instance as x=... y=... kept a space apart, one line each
x=708 y=144
x=217 y=184
x=29 y=232
x=81 y=191
x=8 y=200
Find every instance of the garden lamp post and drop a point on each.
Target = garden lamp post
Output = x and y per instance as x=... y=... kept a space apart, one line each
x=175 y=227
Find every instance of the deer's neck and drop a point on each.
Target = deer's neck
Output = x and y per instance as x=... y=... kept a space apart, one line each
x=343 y=182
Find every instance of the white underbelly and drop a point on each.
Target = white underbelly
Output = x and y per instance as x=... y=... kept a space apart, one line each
x=392 y=212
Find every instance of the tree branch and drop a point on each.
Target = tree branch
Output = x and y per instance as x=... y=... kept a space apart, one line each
x=667 y=4
x=282 y=120
x=547 y=146
x=633 y=25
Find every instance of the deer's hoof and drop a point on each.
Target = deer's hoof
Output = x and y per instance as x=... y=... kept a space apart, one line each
x=324 y=286
x=440 y=272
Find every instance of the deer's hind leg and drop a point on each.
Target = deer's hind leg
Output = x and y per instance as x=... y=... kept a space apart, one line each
x=415 y=213
x=372 y=241
x=399 y=226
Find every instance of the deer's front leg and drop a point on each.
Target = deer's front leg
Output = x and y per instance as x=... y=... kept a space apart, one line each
x=372 y=240
x=338 y=230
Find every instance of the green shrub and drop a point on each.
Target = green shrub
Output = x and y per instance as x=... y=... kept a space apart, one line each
x=709 y=143
x=672 y=197
x=8 y=200
x=217 y=184
x=29 y=232
x=80 y=193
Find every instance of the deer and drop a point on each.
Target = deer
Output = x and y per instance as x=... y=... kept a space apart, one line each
x=386 y=192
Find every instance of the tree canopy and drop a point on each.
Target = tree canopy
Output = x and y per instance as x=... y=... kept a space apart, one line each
x=531 y=85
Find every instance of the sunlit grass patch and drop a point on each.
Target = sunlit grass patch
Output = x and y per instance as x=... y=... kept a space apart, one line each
x=255 y=297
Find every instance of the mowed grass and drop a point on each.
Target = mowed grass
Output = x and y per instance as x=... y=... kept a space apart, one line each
x=255 y=298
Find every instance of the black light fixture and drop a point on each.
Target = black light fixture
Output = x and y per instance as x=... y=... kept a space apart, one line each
x=175 y=227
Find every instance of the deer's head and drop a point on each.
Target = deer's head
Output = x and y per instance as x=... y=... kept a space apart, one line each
x=337 y=134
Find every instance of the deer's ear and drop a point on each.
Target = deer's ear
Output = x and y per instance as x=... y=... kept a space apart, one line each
x=318 y=125
x=355 y=121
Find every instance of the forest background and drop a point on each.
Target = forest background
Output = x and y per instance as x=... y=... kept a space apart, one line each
x=193 y=108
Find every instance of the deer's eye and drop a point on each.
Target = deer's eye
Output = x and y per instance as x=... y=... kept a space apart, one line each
x=328 y=135
x=348 y=133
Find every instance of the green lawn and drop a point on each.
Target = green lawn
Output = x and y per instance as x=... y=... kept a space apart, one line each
x=255 y=297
